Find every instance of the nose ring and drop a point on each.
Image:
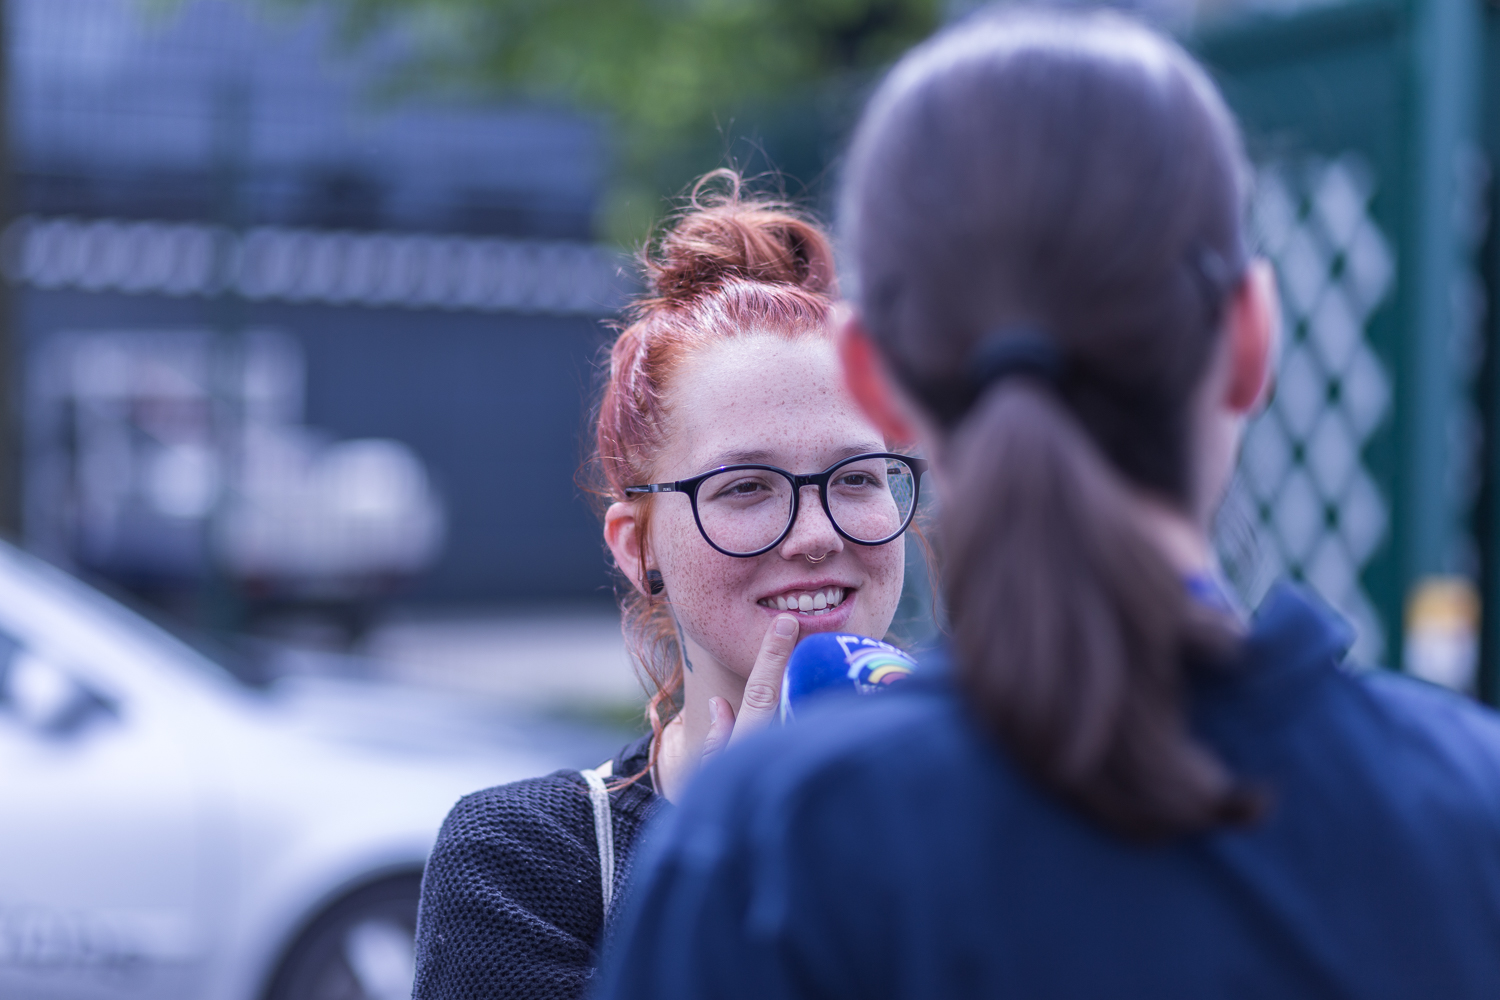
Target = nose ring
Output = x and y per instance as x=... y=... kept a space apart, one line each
x=817 y=560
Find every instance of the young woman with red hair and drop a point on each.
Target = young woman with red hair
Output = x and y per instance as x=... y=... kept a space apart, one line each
x=750 y=501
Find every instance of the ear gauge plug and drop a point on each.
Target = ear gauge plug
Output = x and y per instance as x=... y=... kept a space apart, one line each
x=654 y=583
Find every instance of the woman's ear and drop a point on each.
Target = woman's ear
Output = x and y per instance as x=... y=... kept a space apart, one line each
x=1254 y=329
x=870 y=384
x=622 y=533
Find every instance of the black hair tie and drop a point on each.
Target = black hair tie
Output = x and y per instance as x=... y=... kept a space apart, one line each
x=1008 y=353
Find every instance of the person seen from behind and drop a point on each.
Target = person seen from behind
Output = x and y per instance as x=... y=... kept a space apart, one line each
x=723 y=387
x=1110 y=785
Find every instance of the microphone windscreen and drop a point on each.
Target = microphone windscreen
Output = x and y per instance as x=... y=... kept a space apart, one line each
x=827 y=661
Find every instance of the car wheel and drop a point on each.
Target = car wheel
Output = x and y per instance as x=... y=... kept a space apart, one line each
x=359 y=948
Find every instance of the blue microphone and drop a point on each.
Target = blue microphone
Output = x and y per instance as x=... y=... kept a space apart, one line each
x=827 y=661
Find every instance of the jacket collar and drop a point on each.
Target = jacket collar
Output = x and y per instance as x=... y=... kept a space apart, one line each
x=1295 y=641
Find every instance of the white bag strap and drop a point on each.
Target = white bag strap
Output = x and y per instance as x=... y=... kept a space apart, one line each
x=604 y=831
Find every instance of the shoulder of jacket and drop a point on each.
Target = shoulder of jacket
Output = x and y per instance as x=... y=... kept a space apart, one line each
x=550 y=804
x=846 y=742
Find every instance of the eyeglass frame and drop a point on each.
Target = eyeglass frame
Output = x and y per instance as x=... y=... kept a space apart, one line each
x=690 y=486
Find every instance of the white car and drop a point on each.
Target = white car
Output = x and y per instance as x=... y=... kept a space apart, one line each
x=167 y=833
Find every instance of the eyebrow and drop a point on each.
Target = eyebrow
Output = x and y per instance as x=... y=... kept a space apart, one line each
x=762 y=457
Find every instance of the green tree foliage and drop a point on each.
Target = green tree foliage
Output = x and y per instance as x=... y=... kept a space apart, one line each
x=675 y=77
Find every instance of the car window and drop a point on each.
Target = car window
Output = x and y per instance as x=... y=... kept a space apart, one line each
x=41 y=695
x=70 y=598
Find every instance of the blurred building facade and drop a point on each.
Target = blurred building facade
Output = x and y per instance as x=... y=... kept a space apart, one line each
x=255 y=297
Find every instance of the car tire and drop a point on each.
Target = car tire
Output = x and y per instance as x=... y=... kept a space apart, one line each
x=358 y=948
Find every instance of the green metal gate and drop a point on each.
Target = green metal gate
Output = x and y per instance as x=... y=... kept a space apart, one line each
x=1362 y=477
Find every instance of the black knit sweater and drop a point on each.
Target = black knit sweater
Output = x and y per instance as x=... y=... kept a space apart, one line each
x=512 y=905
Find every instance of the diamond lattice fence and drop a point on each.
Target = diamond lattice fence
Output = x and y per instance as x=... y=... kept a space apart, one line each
x=1304 y=503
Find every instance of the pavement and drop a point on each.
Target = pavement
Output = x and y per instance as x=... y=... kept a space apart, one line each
x=554 y=679
x=550 y=660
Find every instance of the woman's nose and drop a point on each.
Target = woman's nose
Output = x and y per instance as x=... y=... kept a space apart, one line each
x=813 y=535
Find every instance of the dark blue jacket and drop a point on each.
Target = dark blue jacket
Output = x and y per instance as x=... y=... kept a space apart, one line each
x=889 y=849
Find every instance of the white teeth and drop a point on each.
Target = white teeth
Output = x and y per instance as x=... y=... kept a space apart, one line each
x=818 y=603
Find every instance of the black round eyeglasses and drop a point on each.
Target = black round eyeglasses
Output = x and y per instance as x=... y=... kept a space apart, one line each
x=748 y=510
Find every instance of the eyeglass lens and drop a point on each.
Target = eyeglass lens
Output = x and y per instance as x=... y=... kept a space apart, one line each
x=745 y=510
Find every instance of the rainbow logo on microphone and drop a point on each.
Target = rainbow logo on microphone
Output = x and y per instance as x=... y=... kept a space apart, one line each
x=874 y=665
x=827 y=662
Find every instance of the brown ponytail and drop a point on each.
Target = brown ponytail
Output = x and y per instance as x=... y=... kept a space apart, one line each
x=1076 y=177
x=1075 y=653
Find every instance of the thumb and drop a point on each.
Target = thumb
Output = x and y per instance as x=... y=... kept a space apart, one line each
x=720 y=726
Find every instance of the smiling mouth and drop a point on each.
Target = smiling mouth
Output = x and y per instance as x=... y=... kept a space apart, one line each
x=808 y=602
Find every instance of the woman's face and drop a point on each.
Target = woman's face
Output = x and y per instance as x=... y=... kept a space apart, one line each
x=764 y=399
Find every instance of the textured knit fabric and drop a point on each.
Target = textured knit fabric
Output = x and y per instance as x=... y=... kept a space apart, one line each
x=512 y=905
x=890 y=849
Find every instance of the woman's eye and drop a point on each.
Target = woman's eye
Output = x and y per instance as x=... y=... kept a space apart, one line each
x=857 y=480
x=740 y=490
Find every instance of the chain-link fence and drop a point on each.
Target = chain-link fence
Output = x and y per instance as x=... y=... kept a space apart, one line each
x=1304 y=503
x=1362 y=476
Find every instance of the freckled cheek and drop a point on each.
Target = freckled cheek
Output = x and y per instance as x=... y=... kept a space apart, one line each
x=886 y=567
x=709 y=593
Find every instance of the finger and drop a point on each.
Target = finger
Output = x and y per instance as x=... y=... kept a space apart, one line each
x=720 y=727
x=763 y=688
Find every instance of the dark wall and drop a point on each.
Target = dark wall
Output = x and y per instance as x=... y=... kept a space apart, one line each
x=494 y=404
